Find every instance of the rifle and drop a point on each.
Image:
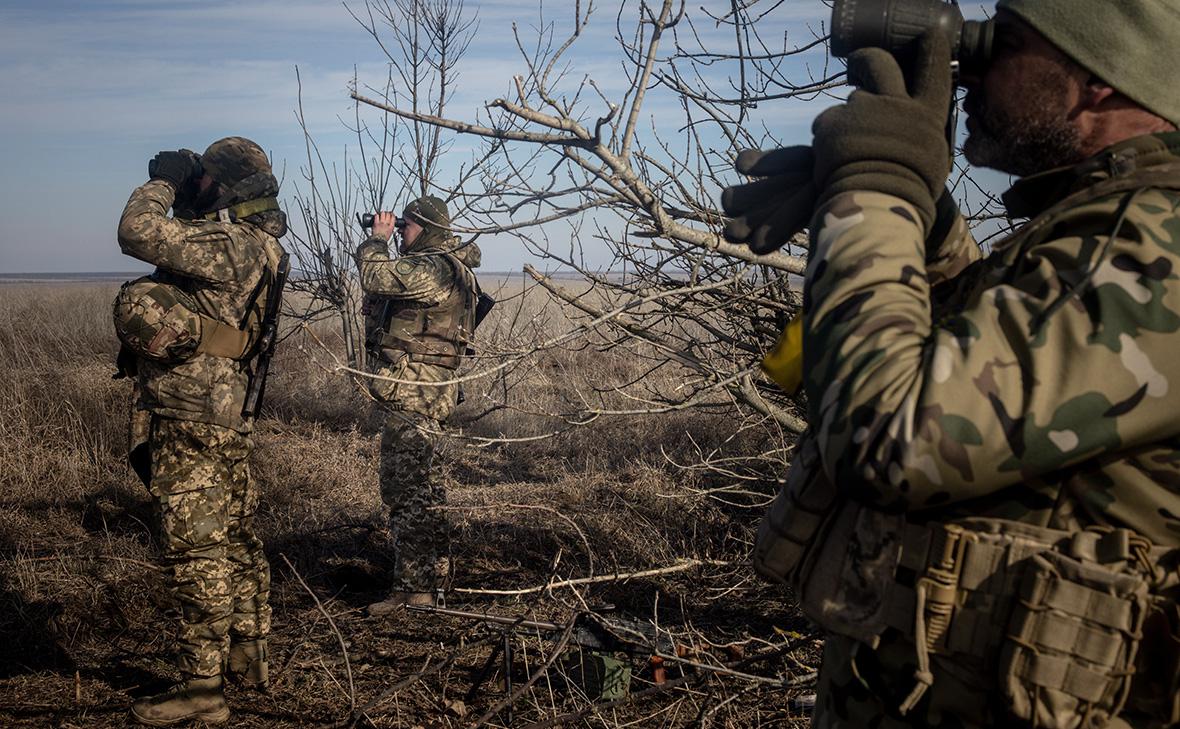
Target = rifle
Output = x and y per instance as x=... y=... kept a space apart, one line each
x=590 y=630
x=267 y=339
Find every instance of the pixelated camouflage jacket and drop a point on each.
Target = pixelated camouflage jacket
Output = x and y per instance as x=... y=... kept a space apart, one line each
x=220 y=265
x=1035 y=385
x=424 y=279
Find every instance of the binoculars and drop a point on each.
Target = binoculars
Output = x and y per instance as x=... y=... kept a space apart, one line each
x=366 y=220
x=198 y=168
x=894 y=24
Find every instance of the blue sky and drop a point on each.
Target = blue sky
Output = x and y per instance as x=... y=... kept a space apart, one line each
x=91 y=90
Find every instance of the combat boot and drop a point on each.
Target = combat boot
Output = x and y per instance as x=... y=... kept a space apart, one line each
x=196 y=699
x=247 y=664
x=399 y=599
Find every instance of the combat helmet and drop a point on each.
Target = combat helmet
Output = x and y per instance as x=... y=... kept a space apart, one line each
x=247 y=183
x=233 y=160
x=431 y=213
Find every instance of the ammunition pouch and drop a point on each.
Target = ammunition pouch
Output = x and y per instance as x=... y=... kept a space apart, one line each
x=1068 y=655
x=159 y=321
x=798 y=513
x=1057 y=618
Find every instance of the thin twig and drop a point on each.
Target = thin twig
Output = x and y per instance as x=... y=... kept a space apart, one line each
x=335 y=630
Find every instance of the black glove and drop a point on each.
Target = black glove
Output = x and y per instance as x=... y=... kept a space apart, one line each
x=886 y=138
x=177 y=167
x=768 y=212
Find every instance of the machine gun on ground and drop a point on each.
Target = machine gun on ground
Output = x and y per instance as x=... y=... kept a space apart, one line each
x=601 y=674
x=607 y=677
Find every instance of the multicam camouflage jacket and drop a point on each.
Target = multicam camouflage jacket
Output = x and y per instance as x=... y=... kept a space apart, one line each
x=424 y=280
x=219 y=265
x=1034 y=385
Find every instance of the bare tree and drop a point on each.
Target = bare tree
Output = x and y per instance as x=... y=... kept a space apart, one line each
x=392 y=158
x=590 y=181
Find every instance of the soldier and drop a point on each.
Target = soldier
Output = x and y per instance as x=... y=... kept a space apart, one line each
x=420 y=314
x=985 y=512
x=196 y=329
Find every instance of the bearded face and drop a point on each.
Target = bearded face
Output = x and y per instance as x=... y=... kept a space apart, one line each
x=1023 y=134
x=1020 y=110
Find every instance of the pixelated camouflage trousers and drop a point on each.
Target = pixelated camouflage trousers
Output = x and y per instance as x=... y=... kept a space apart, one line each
x=213 y=562
x=862 y=688
x=410 y=486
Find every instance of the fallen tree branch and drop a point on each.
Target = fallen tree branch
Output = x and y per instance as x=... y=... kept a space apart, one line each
x=678 y=567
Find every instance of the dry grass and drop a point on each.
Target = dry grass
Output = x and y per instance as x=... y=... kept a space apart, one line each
x=83 y=615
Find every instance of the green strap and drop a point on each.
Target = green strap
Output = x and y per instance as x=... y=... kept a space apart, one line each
x=247 y=208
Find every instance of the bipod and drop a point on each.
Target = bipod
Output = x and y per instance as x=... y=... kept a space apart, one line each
x=504 y=651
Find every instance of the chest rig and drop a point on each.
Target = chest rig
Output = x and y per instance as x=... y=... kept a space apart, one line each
x=436 y=334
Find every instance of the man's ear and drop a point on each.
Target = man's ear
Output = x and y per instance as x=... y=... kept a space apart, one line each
x=1095 y=94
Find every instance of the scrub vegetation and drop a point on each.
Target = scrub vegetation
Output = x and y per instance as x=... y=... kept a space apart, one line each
x=536 y=498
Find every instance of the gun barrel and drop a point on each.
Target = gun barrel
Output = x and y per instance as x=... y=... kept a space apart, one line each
x=489 y=618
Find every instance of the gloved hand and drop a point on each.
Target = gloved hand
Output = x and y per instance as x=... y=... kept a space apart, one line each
x=886 y=138
x=768 y=212
x=177 y=167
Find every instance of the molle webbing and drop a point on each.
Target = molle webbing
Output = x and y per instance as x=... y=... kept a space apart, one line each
x=436 y=335
x=1059 y=615
x=985 y=567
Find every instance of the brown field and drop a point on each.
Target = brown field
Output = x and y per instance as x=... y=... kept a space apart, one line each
x=83 y=613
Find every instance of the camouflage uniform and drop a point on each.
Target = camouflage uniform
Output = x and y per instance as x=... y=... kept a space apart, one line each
x=1030 y=386
x=199 y=439
x=427 y=295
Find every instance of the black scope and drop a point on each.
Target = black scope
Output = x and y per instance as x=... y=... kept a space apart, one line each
x=894 y=24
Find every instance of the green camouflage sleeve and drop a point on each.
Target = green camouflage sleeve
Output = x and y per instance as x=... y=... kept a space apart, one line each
x=423 y=279
x=198 y=248
x=945 y=259
x=1058 y=352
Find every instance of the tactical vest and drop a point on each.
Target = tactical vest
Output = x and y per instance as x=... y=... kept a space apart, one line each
x=1075 y=627
x=159 y=319
x=437 y=334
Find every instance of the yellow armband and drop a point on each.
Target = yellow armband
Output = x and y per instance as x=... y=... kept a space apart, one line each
x=784 y=362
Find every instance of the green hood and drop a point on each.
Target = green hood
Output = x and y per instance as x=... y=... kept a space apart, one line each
x=1133 y=45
